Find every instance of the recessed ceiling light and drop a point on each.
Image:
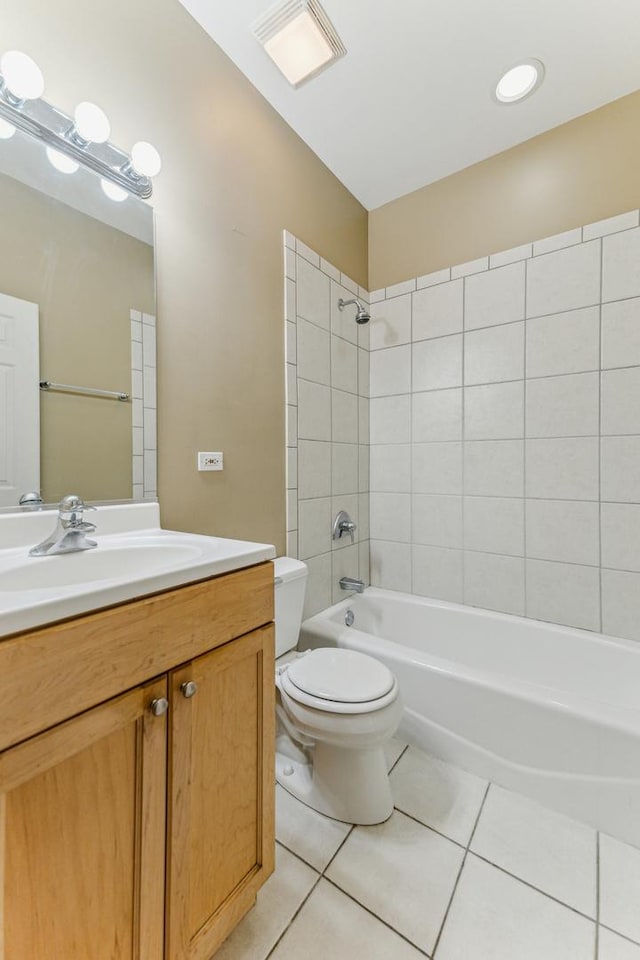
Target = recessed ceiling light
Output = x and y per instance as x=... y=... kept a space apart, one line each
x=519 y=81
x=299 y=38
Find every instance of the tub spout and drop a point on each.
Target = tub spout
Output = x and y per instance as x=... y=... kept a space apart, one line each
x=350 y=583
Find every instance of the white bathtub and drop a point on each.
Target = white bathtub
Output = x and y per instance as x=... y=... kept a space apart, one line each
x=548 y=711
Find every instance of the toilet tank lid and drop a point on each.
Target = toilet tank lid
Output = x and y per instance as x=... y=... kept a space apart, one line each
x=286 y=568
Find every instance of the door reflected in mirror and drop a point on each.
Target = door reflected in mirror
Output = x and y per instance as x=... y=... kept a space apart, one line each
x=77 y=309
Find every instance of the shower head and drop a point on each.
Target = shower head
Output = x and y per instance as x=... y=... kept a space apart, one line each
x=362 y=314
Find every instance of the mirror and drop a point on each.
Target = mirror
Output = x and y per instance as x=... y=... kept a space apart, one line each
x=77 y=310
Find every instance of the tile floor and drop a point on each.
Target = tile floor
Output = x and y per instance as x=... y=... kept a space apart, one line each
x=463 y=870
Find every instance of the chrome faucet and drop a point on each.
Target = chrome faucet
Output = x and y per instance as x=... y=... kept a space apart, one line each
x=343 y=524
x=350 y=583
x=71 y=529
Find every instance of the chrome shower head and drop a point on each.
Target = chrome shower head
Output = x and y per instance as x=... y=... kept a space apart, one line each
x=362 y=314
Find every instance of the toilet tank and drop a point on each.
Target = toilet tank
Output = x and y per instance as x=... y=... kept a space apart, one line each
x=290 y=583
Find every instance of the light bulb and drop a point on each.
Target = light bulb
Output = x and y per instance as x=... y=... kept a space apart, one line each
x=91 y=123
x=22 y=75
x=7 y=130
x=61 y=161
x=145 y=159
x=520 y=81
x=113 y=191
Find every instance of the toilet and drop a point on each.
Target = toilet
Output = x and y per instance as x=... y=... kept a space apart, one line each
x=335 y=710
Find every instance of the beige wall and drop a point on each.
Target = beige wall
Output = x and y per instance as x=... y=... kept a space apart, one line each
x=85 y=277
x=580 y=172
x=234 y=176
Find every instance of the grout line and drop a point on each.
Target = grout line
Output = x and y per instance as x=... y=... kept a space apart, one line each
x=463 y=452
x=431 y=829
x=600 y=449
x=398 y=759
x=342 y=843
x=623 y=936
x=286 y=929
x=524 y=448
x=379 y=919
x=597 y=894
x=464 y=860
x=411 y=451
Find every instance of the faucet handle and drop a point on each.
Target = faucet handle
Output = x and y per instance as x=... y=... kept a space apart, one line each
x=72 y=507
x=344 y=524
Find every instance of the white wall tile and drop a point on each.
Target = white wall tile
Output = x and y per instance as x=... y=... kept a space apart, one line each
x=291 y=384
x=557 y=242
x=494 y=411
x=430 y=279
x=292 y=425
x=437 y=363
x=314 y=411
x=136 y=354
x=494 y=582
x=363 y=372
x=563 y=593
x=307 y=253
x=363 y=562
x=494 y=297
x=624 y=221
x=494 y=525
x=397 y=289
x=437 y=468
x=390 y=420
x=314 y=353
x=437 y=310
x=136 y=326
x=314 y=469
x=621 y=469
x=390 y=516
x=291 y=342
x=350 y=503
x=563 y=343
x=621 y=536
x=437 y=573
x=390 y=468
x=363 y=335
x=343 y=322
x=314 y=528
x=292 y=509
x=621 y=333
x=494 y=468
x=350 y=284
x=329 y=269
x=564 y=280
x=138 y=441
x=363 y=468
x=611 y=946
x=390 y=371
x=390 y=323
x=437 y=415
x=563 y=530
x=376 y=295
x=290 y=312
x=136 y=384
x=470 y=267
x=344 y=468
x=621 y=604
x=512 y=255
x=391 y=565
x=621 y=401
x=344 y=417
x=494 y=354
x=364 y=519
x=313 y=290
x=292 y=467
x=318 y=593
x=563 y=406
x=564 y=469
x=344 y=365
x=290 y=263
x=363 y=420
x=437 y=521
x=621 y=265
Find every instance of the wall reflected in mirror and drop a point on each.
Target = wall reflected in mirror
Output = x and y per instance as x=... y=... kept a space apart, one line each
x=77 y=307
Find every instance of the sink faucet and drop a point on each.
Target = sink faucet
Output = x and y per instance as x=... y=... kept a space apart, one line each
x=71 y=529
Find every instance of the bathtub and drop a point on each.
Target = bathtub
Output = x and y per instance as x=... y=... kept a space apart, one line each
x=548 y=711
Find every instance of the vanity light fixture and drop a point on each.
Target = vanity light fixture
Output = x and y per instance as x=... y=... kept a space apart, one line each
x=519 y=81
x=113 y=191
x=71 y=141
x=299 y=38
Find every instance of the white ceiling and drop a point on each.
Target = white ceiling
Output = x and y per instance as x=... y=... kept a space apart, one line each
x=411 y=101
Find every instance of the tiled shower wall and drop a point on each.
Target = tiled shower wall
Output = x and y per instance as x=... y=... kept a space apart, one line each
x=327 y=366
x=505 y=431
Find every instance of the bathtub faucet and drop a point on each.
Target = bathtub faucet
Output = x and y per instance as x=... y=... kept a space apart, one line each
x=350 y=583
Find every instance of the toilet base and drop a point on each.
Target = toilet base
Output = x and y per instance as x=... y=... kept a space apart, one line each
x=345 y=784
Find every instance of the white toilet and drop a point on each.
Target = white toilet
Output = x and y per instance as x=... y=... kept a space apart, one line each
x=335 y=709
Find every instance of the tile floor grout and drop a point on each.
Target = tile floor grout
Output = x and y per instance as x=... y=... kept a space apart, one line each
x=464 y=860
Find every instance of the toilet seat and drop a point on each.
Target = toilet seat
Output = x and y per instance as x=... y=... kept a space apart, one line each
x=339 y=681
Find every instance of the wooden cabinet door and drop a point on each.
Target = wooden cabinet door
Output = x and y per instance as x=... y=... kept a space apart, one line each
x=82 y=828
x=221 y=792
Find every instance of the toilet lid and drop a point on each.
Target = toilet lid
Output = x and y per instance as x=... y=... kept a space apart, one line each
x=345 y=676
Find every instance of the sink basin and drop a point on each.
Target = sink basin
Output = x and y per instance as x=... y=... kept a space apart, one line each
x=127 y=563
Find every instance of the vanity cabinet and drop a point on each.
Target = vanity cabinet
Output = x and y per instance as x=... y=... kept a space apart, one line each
x=136 y=775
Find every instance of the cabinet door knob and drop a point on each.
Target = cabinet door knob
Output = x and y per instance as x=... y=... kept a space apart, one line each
x=159 y=706
x=188 y=689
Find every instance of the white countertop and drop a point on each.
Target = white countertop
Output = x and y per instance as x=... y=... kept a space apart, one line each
x=134 y=557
